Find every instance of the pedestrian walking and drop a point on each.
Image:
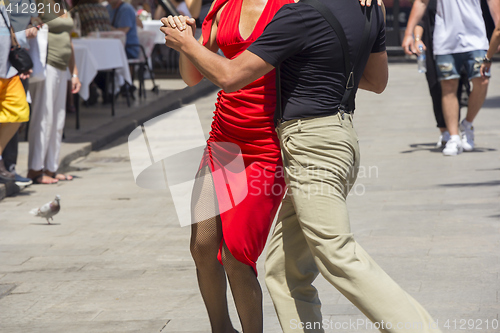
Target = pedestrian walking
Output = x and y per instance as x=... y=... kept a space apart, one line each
x=459 y=40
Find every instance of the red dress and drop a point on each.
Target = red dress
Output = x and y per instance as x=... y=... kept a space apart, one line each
x=245 y=118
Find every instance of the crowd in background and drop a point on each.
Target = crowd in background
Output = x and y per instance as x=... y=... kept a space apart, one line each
x=42 y=105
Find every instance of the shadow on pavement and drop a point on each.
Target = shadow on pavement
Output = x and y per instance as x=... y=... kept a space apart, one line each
x=492 y=103
x=490 y=183
x=431 y=147
x=46 y=224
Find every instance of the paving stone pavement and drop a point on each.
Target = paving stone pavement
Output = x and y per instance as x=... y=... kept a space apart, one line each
x=116 y=260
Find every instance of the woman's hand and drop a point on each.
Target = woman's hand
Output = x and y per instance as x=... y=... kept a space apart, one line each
x=31 y=32
x=26 y=75
x=176 y=39
x=36 y=21
x=179 y=22
x=75 y=84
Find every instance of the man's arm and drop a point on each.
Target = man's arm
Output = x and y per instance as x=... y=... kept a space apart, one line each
x=416 y=14
x=494 y=44
x=228 y=74
x=126 y=20
x=494 y=6
x=376 y=73
x=124 y=29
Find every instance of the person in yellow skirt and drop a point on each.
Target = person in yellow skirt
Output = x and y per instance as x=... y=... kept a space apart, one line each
x=14 y=108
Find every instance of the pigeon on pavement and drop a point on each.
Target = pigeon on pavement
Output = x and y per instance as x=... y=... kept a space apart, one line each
x=48 y=210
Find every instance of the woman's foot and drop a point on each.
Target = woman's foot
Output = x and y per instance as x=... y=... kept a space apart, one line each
x=59 y=176
x=39 y=177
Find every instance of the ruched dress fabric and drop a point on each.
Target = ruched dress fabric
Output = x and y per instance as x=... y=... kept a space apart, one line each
x=245 y=118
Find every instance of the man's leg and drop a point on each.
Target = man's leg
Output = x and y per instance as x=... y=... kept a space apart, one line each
x=290 y=271
x=448 y=67
x=450 y=104
x=321 y=158
x=473 y=62
x=451 y=112
x=477 y=97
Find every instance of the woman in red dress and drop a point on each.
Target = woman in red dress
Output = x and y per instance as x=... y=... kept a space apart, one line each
x=235 y=237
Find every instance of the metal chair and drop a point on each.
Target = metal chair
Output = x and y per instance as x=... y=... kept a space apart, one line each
x=147 y=43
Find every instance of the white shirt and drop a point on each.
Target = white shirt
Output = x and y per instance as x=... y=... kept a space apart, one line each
x=459 y=27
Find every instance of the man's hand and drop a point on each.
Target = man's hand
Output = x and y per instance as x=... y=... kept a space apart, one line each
x=31 y=32
x=417 y=49
x=176 y=39
x=369 y=2
x=75 y=85
x=485 y=68
x=409 y=45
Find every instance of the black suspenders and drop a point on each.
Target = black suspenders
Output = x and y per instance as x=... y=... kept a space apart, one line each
x=347 y=103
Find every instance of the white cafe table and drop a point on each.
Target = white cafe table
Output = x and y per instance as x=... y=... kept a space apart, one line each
x=109 y=55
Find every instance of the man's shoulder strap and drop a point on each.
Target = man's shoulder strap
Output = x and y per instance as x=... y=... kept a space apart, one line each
x=337 y=27
x=347 y=103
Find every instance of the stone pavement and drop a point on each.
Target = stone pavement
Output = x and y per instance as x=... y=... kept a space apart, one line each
x=116 y=260
x=98 y=127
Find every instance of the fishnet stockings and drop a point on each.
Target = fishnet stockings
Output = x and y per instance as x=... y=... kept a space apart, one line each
x=206 y=236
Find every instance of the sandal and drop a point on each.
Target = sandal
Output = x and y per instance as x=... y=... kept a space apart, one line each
x=59 y=176
x=43 y=179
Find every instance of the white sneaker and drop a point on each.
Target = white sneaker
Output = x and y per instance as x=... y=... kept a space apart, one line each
x=453 y=146
x=467 y=135
x=443 y=138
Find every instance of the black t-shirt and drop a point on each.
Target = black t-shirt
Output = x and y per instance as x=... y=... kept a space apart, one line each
x=312 y=67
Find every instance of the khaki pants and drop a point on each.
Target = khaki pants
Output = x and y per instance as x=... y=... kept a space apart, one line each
x=312 y=235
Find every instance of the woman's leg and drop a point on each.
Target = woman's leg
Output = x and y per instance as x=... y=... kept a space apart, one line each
x=206 y=236
x=246 y=291
x=58 y=98
x=7 y=131
x=40 y=122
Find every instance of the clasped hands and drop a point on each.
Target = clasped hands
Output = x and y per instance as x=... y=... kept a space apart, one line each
x=178 y=30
